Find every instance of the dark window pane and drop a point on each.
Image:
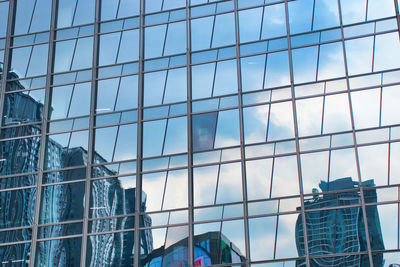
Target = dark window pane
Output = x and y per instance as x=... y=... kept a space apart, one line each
x=204 y=131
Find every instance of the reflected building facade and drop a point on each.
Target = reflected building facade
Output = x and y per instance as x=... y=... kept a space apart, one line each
x=63 y=202
x=340 y=230
x=209 y=248
x=191 y=133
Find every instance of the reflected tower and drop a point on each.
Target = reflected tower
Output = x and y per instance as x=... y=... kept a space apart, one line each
x=340 y=230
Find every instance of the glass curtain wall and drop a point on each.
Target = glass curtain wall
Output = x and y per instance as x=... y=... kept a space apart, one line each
x=159 y=133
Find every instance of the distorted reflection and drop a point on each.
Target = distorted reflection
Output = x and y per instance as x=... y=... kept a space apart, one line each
x=18 y=156
x=340 y=230
x=209 y=248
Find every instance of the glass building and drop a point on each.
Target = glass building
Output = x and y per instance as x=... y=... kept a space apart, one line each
x=156 y=133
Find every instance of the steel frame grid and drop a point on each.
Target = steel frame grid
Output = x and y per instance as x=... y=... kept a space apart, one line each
x=140 y=121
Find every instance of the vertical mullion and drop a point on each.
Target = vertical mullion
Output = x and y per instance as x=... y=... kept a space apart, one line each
x=354 y=138
x=296 y=135
x=189 y=137
x=7 y=54
x=396 y=9
x=42 y=151
x=90 y=151
x=138 y=194
x=242 y=150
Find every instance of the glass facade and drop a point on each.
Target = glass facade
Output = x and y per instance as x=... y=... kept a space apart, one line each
x=156 y=133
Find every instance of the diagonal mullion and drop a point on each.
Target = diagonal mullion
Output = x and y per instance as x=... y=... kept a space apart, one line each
x=118 y=7
x=33 y=14
x=75 y=9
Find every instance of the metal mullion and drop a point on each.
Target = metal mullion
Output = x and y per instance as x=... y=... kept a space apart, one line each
x=214 y=14
x=93 y=219
x=312 y=16
x=318 y=59
x=29 y=44
x=272 y=173
x=164 y=170
x=215 y=135
x=113 y=199
x=13 y=243
x=115 y=143
x=111 y=232
x=162 y=6
x=19 y=137
x=165 y=42
x=189 y=138
x=64 y=182
x=139 y=147
x=373 y=50
x=165 y=188
x=329 y=162
x=16 y=175
x=90 y=151
x=33 y=13
x=262 y=22
x=389 y=150
x=166 y=22
x=59 y=238
x=69 y=118
x=268 y=119
x=217 y=180
x=296 y=135
x=213 y=27
x=119 y=47
x=213 y=83
x=265 y=69
x=25 y=105
x=362 y=198
x=380 y=103
x=396 y=9
x=42 y=151
x=18 y=188
x=23 y=90
x=165 y=137
x=323 y=110
x=70 y=100
x=164 y=89
x=221 y=220
x=29 y=61
x=73 y=58
x=116 y=97
x=73 y=16
x=67 y=150
x=276 y=228
x=219 y=251
x=165 y=238
x=241 y=128
x=116 y=13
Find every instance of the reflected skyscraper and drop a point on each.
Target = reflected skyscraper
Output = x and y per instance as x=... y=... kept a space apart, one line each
x=62 y=202
x=335 y=228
